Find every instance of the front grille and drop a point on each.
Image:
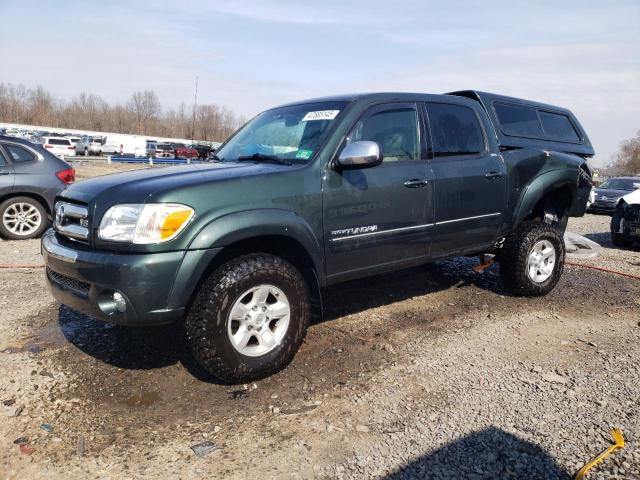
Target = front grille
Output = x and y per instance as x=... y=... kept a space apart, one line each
x=68 y=282
x=633 y=213
x=72 y=221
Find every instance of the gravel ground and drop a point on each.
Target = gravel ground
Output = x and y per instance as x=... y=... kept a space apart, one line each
x=596 y=228
x=432 y=372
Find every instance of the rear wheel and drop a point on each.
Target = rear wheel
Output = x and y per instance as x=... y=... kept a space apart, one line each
x=22 y=218
x=249 y=318
x=617 y=236
x=532 y=259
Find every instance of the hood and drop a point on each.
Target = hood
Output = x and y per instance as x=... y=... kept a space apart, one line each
x=611 y=192
x=632 y=198
x=136 y=186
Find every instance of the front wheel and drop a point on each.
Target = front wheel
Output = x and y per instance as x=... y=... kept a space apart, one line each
x=249 y=318
x=532 y=259
x=617 y=232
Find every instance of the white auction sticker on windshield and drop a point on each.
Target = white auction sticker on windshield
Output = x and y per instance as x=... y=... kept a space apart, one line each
x=321 y=115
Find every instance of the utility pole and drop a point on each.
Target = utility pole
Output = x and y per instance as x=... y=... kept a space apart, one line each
x=195 y=104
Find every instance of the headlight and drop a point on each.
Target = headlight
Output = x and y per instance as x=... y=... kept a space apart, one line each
x=144 y=223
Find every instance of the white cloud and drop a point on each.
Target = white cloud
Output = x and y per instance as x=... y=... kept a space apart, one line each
x=252 y=54
x=355 y=13
x=598 y=82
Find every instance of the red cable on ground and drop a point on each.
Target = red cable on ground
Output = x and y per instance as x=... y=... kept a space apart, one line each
x=592 y=267
x=602 y=269
x=21 y=266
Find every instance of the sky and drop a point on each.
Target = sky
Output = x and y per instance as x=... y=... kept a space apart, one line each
x=251 y=55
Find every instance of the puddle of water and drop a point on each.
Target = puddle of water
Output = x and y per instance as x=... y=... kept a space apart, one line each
x=145 y=399
x=51 y=336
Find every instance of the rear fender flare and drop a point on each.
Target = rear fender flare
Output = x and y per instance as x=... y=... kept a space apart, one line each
x=541 y=186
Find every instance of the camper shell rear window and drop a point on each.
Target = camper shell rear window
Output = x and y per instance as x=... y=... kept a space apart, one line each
x=531 y=122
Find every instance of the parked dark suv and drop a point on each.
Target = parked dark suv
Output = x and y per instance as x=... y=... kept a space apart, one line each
x=30 y=179
x=315 y=193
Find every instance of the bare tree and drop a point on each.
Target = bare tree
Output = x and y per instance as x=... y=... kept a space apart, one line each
x=87 y=110
x=628 y=157
x=146 y=107
x=14 y=100
x=40 y=106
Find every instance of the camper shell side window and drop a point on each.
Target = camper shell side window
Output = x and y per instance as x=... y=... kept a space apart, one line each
x=526 y=121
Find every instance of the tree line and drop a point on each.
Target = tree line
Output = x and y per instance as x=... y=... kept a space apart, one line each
x=627 y=160
x=142 y=114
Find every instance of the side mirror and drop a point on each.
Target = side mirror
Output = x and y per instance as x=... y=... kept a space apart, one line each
x=363 y=154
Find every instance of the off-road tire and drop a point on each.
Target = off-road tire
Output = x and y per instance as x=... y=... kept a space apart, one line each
x=514 y=257
x=617 y=238
x=206 y=321
x=44 y=222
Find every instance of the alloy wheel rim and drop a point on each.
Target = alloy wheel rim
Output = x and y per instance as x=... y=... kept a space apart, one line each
x=258 y=320
x=22 y=219
x=541 y=261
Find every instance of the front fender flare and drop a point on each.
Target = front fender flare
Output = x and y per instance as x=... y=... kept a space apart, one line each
x=231 y=228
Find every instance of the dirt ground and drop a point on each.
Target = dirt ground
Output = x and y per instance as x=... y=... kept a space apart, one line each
x=431 y=372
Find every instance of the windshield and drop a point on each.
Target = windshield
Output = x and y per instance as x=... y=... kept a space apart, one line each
x=291 y=133
x=620 y=184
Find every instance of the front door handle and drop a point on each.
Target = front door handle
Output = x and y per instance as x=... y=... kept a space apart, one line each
x=492 y=175
x=415 y=183
x=5 y=172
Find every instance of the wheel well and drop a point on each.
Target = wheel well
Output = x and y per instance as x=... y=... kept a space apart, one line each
x=555 y=202
x=284 y=247
x=35 y=196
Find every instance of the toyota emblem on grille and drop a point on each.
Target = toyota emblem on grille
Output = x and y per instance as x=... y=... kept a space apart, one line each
x=57 y=222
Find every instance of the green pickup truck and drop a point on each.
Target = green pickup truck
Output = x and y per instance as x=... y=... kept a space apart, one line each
x=314 y=193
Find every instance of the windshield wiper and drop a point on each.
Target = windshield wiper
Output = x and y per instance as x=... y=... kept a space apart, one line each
x=261 y=157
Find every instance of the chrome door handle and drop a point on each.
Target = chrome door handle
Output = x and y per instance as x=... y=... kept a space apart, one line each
x=415 y=183
x=492 y=175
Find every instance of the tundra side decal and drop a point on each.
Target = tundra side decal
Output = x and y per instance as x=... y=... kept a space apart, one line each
x=347 y=232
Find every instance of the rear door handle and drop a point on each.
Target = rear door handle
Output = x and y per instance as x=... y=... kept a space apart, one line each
x=5 y=172
x=415 y=183
x=492 y=175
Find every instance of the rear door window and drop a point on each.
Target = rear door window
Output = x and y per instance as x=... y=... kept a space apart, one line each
x=3 y=161
x=455 y=130
x=558 y=127
x=518 y=121
x=19 y=154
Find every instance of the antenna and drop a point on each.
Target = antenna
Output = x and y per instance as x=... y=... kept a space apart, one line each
x=195 y=104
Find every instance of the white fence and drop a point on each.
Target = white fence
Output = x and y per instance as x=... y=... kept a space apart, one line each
x=22 y=129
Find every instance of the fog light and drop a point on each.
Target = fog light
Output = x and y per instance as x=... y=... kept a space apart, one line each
x=119 y=302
